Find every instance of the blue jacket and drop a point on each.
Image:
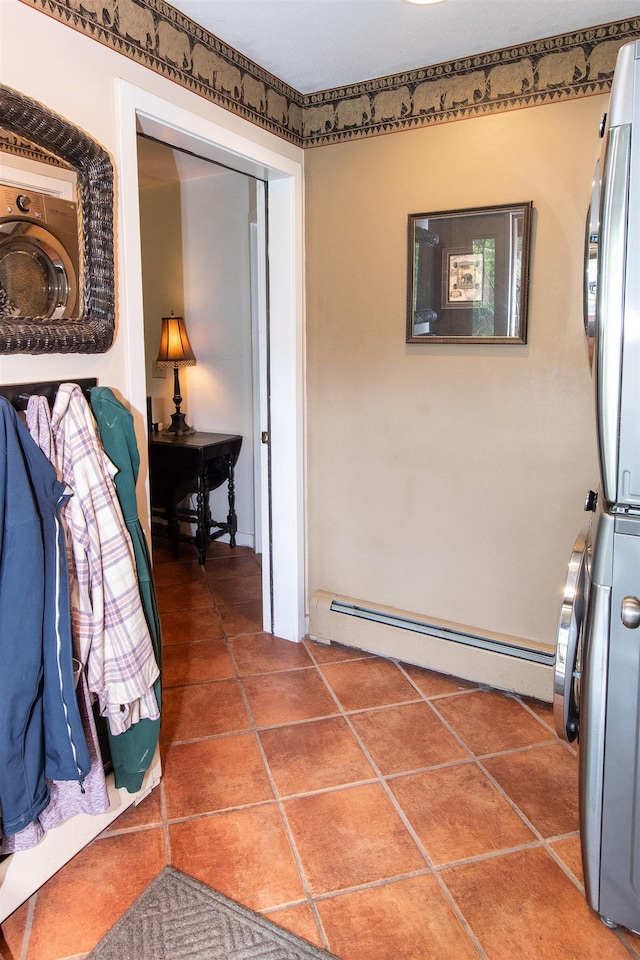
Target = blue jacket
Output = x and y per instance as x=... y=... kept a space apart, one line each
x=40 y=728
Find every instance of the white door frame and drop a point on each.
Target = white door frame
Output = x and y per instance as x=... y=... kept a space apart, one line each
x=258 y=243
x=164 y=120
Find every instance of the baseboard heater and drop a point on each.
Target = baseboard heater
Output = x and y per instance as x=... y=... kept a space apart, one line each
x=496 y=659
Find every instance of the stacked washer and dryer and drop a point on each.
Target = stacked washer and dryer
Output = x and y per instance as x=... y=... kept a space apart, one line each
x=39 y=254
x=597 y=680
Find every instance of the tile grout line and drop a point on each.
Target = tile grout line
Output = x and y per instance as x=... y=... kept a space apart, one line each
x=339 y=787
x=554 y=742
x=564 y=743
x=574 y=879
x=285 y=823
x=454 y=906
x=623 y=936
x=538 y=840
x=479 y=688
x=541 y=839
x=165 y=823
x=478 y=762
x=401 y=665
x=381 y=778
x=28 y=927
x=534 y=844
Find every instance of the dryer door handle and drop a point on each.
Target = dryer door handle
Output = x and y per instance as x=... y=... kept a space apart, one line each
x=572 y=612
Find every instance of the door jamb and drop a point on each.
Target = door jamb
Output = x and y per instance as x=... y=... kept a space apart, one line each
x=213 y=138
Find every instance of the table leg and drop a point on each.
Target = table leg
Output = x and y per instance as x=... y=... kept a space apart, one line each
x=232 y=520
x=203 y=526
x=174 y=530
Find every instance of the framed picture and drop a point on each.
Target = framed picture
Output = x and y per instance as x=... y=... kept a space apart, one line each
x=462 y=275
x=468 y=275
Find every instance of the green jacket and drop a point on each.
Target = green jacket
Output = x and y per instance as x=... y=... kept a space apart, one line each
x=133 y=750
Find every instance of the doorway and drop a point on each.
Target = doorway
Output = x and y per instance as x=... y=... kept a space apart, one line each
x=218 y=140
x=203 y=244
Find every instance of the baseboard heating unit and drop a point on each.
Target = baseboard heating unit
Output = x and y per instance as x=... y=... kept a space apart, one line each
x=499 y=660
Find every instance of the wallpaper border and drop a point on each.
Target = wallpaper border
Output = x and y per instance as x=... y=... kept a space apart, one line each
x=155 y=34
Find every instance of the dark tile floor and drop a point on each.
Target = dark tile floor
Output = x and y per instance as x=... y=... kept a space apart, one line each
x=377 y=809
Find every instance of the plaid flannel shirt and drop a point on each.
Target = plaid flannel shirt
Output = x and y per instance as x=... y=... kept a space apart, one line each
x=110 y=631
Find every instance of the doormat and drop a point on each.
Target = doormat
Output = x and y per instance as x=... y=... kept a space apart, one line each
x=179 y=918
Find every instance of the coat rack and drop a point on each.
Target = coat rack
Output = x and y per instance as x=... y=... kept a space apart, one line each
x=22 y=873
x=18 y=393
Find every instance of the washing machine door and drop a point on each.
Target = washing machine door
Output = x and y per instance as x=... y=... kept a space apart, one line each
x=37 y=278
x=568 y=668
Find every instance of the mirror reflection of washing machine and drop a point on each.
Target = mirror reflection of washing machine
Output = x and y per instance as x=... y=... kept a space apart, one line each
x=39 y=255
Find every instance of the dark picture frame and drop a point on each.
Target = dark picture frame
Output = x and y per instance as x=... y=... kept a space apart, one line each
x=468 y=275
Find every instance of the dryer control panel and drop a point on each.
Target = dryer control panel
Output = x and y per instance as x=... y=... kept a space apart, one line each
x=15 y=201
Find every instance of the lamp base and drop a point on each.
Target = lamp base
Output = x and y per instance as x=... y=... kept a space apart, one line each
x=178 y=424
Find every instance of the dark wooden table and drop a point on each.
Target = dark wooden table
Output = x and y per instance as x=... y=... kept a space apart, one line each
x=187 y=465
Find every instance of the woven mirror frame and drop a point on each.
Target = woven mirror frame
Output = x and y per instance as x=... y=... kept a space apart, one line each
x=94 y=330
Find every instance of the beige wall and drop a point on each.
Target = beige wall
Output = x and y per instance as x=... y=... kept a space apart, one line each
x=162 y=286
x=443 y=480
x=195 y=261
x=215 y=230
x=448 y=480
x=78 y=78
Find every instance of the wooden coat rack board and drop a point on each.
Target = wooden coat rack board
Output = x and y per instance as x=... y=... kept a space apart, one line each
x=18 y=393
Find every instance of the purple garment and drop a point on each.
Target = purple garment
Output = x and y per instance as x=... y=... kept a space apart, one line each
x=39 y=423
x=67 y=797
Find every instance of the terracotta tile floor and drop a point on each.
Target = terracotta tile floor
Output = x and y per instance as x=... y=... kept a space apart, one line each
x=381 y=811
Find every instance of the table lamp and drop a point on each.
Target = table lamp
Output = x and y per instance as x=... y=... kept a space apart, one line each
x=175 y=351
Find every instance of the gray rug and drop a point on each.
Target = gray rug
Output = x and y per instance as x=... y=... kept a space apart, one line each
x=179 y=918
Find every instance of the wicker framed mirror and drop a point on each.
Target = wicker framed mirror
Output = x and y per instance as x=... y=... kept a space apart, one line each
x=92 y=331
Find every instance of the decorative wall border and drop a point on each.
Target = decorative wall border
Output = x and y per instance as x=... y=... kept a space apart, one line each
x=557 y=68
x=155 y=34
x=19 y=147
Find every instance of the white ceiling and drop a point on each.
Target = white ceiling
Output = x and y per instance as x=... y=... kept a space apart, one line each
x=319 y=44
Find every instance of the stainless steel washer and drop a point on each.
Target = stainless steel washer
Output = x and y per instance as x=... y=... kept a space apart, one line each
x=39 y=255
x=597 y=700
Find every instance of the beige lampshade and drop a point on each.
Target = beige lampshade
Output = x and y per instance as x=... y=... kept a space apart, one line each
x=175 y=349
